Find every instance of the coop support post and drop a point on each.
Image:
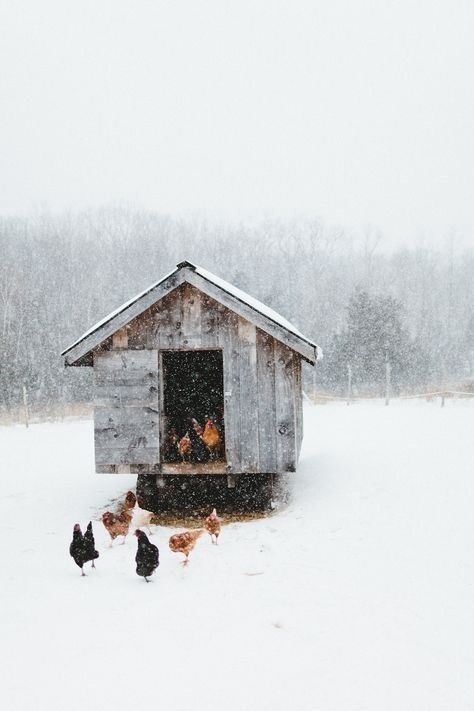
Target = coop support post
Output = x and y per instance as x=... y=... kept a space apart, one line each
x=349 y=383
x=387 y=382
x=25 y=404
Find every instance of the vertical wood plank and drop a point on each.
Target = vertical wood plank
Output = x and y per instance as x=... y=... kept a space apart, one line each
x=139 y=329
x=298 y=402
x=156 y=326
x=120 y=339
x=210 y=322
x=162 y=324
x=229 y=343
x=191 y=317
x=175 y=318
x=247 y=333
x=266 y=402
x=285 y=409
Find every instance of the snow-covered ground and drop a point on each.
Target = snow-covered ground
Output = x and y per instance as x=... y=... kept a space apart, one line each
x=358 y=596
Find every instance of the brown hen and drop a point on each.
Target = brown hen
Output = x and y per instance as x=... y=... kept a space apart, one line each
x=130 y=500
x=212 y=524
x=184 y=447
x=185 y=542
x=211 y=438
x=117 y=524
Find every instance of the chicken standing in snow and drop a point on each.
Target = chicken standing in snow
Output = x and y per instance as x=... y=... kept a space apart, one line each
x=141 y=518
x=130 y=501
x=90 y=544
x=185 y=542
x=212 y=524
x=147 y=557
x=211 y=438
x=79 y=550
x=117 y=524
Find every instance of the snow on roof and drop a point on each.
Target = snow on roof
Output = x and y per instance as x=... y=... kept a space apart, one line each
x=252 y=302
x=242 y=296
x=111 y=315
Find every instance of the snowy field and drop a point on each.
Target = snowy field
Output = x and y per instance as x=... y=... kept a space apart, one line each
x=358 y=596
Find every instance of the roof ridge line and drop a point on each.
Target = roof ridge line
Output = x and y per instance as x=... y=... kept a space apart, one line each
x=190 y=265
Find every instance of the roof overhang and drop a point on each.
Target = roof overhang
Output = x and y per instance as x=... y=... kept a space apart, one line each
x=226 y=294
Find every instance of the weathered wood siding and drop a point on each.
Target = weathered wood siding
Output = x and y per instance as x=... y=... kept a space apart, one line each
x=249 y=410
x=298 y=392
x=126 y=414
x=267 y=436
x=230 y=344
x=285 y=408
x=262 y=384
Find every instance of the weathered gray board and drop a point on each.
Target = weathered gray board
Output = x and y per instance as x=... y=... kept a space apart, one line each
x=267 y=434
x=285 y=408
x=126 y=414
x=298 y=393
x=249 y=405
x=262 y=398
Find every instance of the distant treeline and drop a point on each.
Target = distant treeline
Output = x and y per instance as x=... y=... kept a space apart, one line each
x=363 y=306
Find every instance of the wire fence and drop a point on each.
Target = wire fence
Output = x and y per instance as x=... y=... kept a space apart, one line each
x=351 y=397
x=60 y=411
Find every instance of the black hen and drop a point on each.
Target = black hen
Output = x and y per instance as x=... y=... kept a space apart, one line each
x=89 y=544
x=199 y=451
x=147 y=557
x=79 y=549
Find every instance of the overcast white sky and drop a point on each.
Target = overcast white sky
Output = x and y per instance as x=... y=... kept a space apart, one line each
x=356 y=111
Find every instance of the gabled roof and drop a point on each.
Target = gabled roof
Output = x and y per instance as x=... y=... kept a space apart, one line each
x=238 y=301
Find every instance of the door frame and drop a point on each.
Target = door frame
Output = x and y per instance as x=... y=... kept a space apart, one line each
x=161 y=403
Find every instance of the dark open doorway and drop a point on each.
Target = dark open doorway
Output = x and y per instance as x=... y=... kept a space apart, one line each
x=193 y=406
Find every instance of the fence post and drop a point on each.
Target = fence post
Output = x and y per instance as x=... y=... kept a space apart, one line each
x=387 y=382
x=25 y=404
x=443 y=393
x=349 y=383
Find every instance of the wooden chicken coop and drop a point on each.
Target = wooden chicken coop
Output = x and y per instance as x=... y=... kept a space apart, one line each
x=189 y=354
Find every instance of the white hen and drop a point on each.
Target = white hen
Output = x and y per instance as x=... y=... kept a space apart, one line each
x=141 y=518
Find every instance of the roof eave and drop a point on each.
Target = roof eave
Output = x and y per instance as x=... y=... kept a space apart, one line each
x=185 y=272
x=94 y=338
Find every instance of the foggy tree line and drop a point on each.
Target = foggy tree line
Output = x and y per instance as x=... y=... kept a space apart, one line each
x=361 y=304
